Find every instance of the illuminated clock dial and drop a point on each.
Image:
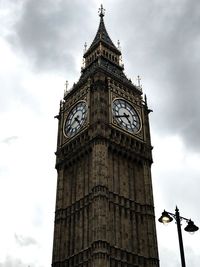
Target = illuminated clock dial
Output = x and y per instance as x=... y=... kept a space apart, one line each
x=125 y=116
x=75 y=119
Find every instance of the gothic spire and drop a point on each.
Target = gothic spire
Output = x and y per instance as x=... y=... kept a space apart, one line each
x=102 y=35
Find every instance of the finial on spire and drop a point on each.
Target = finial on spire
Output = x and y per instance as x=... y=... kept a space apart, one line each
x=118 y=45
x=83 y=64
x=139 y=81
x=85 y=47
x=66 y=85
x=101 y=11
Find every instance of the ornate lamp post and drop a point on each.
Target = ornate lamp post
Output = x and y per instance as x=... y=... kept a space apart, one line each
x=166 y=218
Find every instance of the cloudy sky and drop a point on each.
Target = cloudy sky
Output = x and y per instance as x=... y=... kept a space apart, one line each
x=41 y=46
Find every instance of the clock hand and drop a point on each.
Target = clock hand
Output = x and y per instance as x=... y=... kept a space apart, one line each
x=77 y=120
x=119 y=116
x=124 y=116
x=127 y=117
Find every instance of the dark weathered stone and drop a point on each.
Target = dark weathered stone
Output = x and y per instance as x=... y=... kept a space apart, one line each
x=104 y=205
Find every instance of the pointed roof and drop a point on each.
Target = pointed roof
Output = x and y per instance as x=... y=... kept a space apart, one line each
x=102 y=35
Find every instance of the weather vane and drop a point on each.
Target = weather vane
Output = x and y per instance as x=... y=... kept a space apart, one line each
x=101 y=11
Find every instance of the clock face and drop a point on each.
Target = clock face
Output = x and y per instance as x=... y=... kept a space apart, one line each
x=75 y=119
x=125 y=116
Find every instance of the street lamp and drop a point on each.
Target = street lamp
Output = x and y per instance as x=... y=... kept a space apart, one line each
x=166 y=218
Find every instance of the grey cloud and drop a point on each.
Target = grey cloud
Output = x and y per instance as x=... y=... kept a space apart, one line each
x=163 y=45
x=24 y=240
x=181 y=111
x=160 y=40
x=49 y=33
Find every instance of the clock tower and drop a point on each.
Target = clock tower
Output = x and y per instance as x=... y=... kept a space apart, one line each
x=104 y=205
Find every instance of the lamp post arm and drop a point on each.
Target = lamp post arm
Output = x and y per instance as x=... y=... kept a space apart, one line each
x=180 y=217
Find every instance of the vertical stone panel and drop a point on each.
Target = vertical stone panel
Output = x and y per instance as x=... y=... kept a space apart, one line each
x=66 y=238
x=78 y=232
x=74 y=181
x=123 y=231
x=116 y=173
x=134 y=234
x=72 y=229
x=67 y=186
x=111 y=224
x=67 y=225
x=131 y=175
x=81 y=227
x=110 y=172
x=127 y=229
x=84 y=171
x=89 y=228
x=148 y=183
x=85 y=229
x=62 y=240
x=100 y=164
x=79 y=179
x=60 y=189
x=118 y=225
x=103 y=218
x=87 y=173
x=152 y=240
x=143 y=235
x=95 y=219
x=139 y=184
x=123 y=176
x=138 y=233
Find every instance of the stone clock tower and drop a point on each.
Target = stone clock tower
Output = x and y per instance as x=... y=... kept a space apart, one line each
x=104 y=206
